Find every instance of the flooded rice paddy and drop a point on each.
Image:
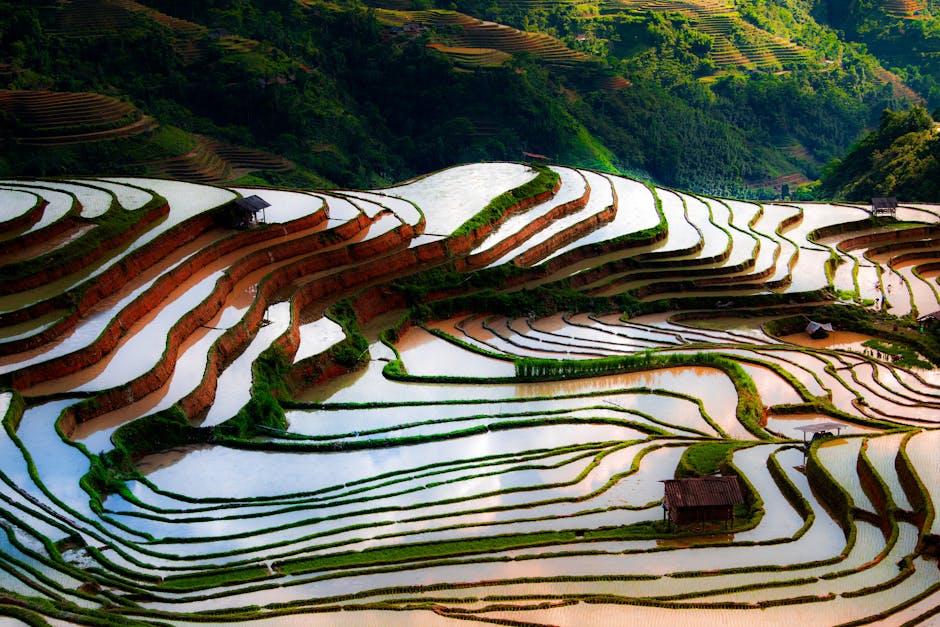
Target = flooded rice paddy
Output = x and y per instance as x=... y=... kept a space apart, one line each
x=254 y=445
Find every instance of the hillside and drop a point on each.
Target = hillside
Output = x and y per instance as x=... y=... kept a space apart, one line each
x=900 y=158
x=701 y=94
x=903 y=34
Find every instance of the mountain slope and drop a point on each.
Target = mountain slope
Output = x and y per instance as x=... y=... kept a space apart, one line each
x=698 y=94
x=901 y=158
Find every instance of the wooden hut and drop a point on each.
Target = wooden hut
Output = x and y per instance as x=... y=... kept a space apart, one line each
x=884 y=206
x=242 y=213
x=701 y=499
x=818 y=330
x=930 y=321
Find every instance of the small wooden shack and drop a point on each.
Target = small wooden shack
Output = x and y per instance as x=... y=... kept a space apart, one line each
x=242 y=213
x=701 y=499
x=818 y=330
x=884 y=206
x=930 y=320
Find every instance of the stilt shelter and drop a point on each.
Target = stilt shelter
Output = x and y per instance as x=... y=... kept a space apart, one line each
x=699 y=500
x=884 y=206
x=821 y=429
x=243 y=213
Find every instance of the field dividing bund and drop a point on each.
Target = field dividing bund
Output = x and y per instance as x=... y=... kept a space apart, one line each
x=458 y=398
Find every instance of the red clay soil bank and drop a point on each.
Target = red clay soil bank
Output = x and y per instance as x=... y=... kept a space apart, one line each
x=70 y=221
x=888 y=237
x=565 y=237
x=167 y=283
x=461 y=245
x=377 y=301
x=875 y=492
x=21 y=223
x=90 y=293
x=368 y=304
x=790 y=221
x=49 y=267
x=540 y=223
x=929 y=266
x=118 y=275
x=907 y=248
x=235 y=339
x=911 y=256
x=922 y=256
x=226 y=348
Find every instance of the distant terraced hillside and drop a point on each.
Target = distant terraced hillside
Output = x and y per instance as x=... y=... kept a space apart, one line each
x=47 y=118
x=907 y=9
x=50 y=119
x=212 y=161
x=737 y=43
x=96 y=18
x=474 y=42
x=457 y=398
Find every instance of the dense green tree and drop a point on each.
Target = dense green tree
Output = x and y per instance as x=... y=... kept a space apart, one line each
x=900 y=158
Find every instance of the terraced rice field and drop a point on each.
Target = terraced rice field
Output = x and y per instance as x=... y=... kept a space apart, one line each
x=736 y=42
x=456 y=399
x=476 y=43
x=51 y=118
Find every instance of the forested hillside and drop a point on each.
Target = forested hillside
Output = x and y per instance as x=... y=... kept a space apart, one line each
x=748 y=98
x=901 y=158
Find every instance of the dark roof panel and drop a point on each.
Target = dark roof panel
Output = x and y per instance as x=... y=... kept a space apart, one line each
x=884 y=202
x=702 y=492
x=253 y=203
x=820 y=427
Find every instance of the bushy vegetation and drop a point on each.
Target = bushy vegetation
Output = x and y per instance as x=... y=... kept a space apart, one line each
x=354 y=103
x=900 y=158
x=263 y=410
x=706 y=458
x=496 y=209
x=906 y=45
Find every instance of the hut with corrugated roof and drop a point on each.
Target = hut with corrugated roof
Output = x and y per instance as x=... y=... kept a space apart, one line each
x=884 y=206
x=243 y=213
x=699 y=500
x=818 y=330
